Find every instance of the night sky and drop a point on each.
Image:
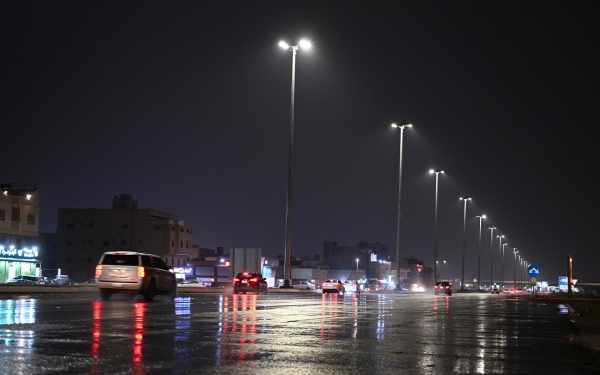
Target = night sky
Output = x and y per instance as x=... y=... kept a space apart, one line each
x=186 y=105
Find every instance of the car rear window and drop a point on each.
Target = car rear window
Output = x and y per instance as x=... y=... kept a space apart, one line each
x=120 y=260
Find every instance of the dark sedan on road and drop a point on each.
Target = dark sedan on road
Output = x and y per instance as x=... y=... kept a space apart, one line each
x=247 y=282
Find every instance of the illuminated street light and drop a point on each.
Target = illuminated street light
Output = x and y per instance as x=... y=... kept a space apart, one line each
x=491 y=255
x=502 y=273
x=500 y=237
x=356 y=269
x=288 y=220
x=462 y=278
x=479 y=262
x=515 y=252
x=437 y=175
x=401 y=127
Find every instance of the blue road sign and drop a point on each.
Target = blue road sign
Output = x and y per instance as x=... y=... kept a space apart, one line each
x=533 y=270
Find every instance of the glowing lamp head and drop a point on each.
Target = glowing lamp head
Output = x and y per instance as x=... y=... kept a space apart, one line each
x=284 y=45
x=305 y=44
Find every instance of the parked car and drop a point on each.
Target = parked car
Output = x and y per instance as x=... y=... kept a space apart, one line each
x=33 y=279
x=21 y=281
x=191 y=284
x=132 y=273
x=249 y=282
x=442 y=287
x=351 y=286
x=61 y=280
x=306 y=285
x=333 y=286
x=495 y=289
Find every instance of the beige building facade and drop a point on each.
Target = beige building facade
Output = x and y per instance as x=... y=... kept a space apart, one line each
x=84 y=234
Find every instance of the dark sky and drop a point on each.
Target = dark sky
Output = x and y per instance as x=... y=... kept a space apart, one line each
x=186 y=106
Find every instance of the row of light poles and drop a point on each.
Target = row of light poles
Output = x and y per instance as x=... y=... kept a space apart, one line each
x=304 y=44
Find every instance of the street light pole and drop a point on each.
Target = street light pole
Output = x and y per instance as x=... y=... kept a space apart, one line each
x=462 y=279
x=356 y=270
x=502 y=273
x=500 y=236
x=481 y=217
x=288 y=219
x=515 y=252
x=437 y=175
x=401 y=127
x=491 y=256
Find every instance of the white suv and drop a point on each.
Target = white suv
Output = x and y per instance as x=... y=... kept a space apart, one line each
x=133 y=273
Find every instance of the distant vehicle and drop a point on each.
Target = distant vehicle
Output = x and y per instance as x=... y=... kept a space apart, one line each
x=61 y=280
x=352 y=286
x=333 y=286
x=495 y=289
x=33 y=279
x=131 y=273
x=510 y=290
x=442 y=287
x=305 y=285
x=417 y=288
x=191 y=284
x=249 y=282
x=21 y=281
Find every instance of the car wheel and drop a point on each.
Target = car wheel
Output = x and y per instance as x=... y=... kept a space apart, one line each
x=105 y=294
x=149 y=294
x=307 y=288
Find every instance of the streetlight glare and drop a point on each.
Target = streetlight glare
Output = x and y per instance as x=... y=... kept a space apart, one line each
x=483 y=216
x=394 y=126
x=305 y=44
x=284 y=45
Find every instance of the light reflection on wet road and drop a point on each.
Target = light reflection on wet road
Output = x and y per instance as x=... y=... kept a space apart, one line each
x=289 y=334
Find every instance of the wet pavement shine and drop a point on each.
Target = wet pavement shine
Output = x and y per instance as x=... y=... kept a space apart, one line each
x=306 y=333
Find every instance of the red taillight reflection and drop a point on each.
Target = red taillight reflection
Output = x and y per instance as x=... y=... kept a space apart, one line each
x=236 y=280
x=98 y=270
x=254 y=279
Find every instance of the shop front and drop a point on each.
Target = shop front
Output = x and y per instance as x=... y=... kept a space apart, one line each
x=14 y=262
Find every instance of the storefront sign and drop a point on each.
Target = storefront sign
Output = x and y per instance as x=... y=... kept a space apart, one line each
x=19 y=253
x=183 y=270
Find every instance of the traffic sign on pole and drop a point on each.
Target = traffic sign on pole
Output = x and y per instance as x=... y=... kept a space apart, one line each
x=533 y=270
x=533 y=279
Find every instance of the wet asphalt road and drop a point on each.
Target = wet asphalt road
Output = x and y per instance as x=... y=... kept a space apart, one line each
x=289 y=334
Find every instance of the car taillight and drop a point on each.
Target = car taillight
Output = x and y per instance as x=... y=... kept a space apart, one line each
x=141 y=272
x=435 y=287
x=254 y=279
x=236 y=280
x=447 y=287
x=98 y=270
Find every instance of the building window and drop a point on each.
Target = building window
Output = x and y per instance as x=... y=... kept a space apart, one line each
x=123 y=242
x=16 y=214
x=90 y=242
x=105 y=243
x=181 y=244
x=31 y=219
x=91 y=225
x=2 y=215
x=69 y=260
x=124 y=226
x=172 y=243
x=69 y=243
x=156 y=228
x=181 y=230
x=139 y=241
x=187 y=231
x=186 y=244
x=69 y=225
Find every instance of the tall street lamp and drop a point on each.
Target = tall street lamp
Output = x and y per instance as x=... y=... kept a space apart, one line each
x=515 y=252
x=500 y=237
x=401 y=127
x=356 y=270
x=462 y=278
x=437 y=175
x=491 y=255
x=502 y=273
x=481 y=217
x=288 y=219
